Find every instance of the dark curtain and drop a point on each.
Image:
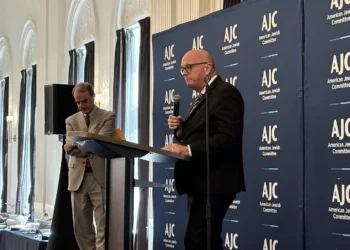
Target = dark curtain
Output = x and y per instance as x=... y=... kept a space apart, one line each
x=72 y=74
x=144 y=113
x=62 y=231
x=230 y=3
x=5 y=140
x=119 y=88
x=119 y=82
x=89 y=68
x=20 y=140
x=32 y=143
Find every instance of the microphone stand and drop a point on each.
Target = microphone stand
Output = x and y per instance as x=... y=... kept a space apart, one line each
x=208 y=206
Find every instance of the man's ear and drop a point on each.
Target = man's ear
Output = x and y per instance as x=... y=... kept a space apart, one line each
x=208 y=70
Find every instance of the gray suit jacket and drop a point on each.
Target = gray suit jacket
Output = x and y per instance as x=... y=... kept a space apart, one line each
x=102 y=122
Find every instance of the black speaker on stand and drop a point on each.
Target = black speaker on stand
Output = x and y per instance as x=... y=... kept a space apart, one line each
x=59 y=104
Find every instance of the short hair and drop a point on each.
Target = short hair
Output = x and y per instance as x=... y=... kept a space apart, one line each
x=83 y=87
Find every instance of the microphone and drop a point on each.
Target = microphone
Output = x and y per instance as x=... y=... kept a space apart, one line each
x=208 y=205
x=176 y=99
x=207 y=80
x=176 y=112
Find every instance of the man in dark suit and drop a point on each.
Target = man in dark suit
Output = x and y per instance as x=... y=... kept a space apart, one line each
x=226 y=111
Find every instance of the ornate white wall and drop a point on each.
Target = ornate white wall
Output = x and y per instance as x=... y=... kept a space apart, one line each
x=81 y=25
x=27 y=45
x=4 y=58
x=130 y=11
x=55 y=27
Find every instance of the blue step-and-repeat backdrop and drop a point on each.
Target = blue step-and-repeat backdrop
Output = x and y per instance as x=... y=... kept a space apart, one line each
x=327 y=124
x=290 y=61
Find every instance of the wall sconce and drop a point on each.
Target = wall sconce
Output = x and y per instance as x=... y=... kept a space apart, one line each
x=9 y=120
x=98 y=98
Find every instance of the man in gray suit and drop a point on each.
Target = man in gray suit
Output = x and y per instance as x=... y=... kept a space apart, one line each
x=87 y=171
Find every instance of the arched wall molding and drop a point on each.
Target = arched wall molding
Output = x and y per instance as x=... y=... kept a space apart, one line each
x=4 y=58
x=129 y=12
x=27 y=45
x=125 y=13
x=81 y=25
x=116 y=19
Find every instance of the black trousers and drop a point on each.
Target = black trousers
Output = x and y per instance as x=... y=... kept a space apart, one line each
x=196 y=229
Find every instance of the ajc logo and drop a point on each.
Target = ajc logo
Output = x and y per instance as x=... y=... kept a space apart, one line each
x=269 y=134
x=270 y=244
x=339 y=3
x=231 y=241
x=232 y=80
x=269 y=190
x=341 y=194
x=341 y=129
x=269 y=78
x=169 y=182
x=343 y=63
x=169 y=230
x=169 y=52
x=269 y=21
x=169 y=139
x=198 y=42
x=230 y=33
x=169 y=96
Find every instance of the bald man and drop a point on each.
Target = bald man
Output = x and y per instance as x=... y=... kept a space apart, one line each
x=226 y=111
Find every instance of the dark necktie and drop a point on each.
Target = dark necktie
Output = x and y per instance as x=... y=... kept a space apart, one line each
x=87 y=120
x=87 y=163
x=196 y=101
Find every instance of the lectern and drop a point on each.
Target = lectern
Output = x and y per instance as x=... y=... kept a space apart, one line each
x=120 y=155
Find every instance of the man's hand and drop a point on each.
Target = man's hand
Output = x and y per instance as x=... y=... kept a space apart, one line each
x=177 y=148
x=174 y=122
x=68 y=146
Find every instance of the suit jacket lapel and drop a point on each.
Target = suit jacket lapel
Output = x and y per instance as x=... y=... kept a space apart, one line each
x=212 y=86
x=189 y=113
x=95 y=118
x=82 y=121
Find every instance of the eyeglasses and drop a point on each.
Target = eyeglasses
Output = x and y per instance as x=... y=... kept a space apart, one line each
x=189 y=67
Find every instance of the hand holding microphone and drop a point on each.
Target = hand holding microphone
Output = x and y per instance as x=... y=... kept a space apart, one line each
x=175 y=121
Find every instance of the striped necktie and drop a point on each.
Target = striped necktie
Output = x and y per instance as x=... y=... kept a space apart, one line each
x=196 y=101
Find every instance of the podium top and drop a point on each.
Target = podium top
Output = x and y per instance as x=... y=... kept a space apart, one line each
x=110 y=147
